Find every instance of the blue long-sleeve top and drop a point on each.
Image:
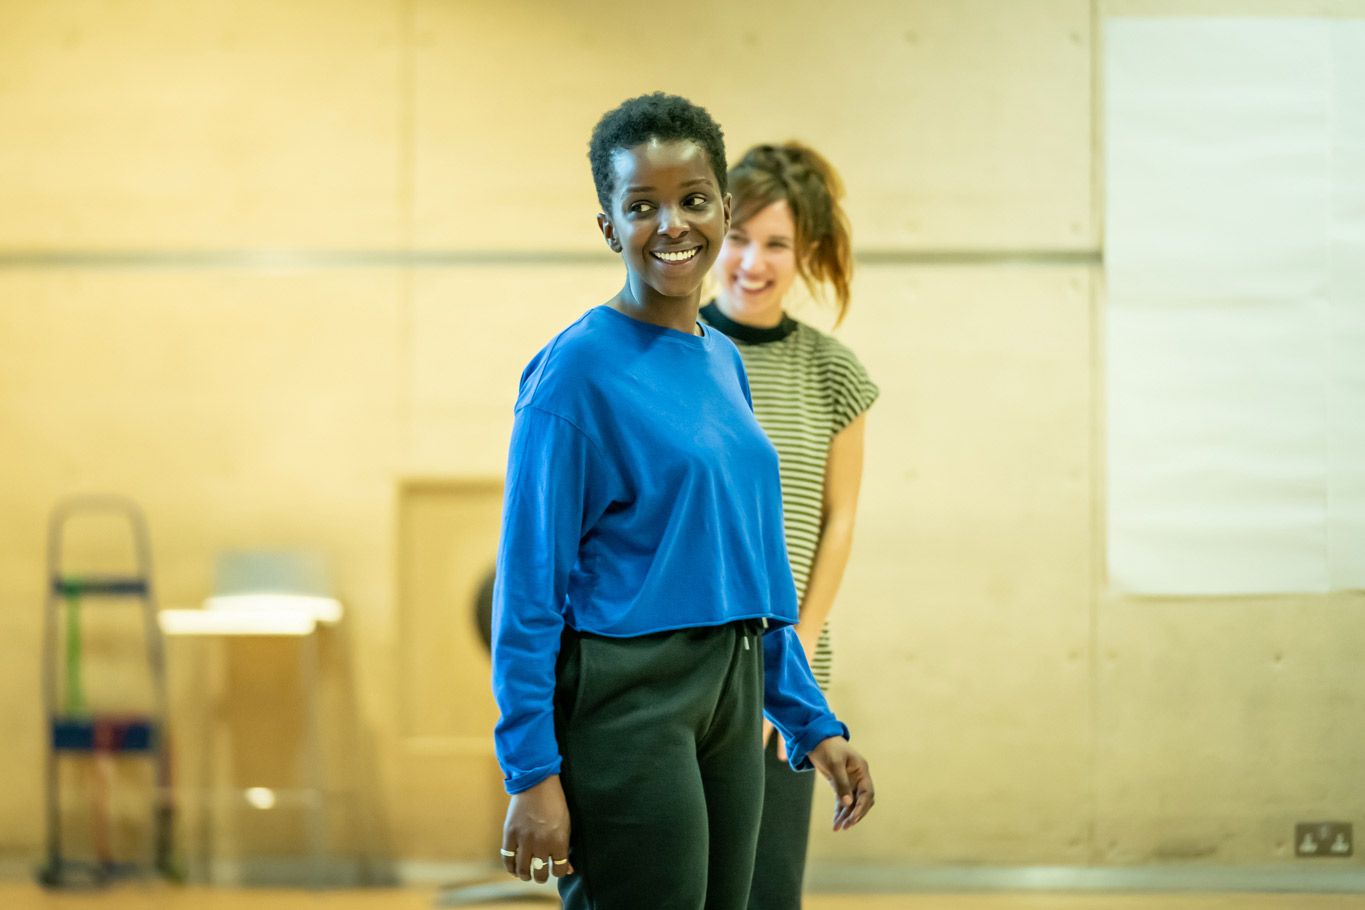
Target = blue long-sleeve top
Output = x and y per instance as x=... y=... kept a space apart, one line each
x=641 y=496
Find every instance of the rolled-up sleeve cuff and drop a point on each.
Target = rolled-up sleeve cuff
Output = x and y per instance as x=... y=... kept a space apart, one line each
x=525 y=780
x=798 y=750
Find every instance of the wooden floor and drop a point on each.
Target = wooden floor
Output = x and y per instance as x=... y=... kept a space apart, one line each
x=28 y=897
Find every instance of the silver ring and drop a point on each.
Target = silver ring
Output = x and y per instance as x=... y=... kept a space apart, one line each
x=508 y=852
x=537 y=864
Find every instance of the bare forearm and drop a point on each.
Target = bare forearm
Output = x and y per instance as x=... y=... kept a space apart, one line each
x=843 y=475
x=826 y=573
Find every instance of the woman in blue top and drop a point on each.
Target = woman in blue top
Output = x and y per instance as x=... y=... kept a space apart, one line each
x=644 y=605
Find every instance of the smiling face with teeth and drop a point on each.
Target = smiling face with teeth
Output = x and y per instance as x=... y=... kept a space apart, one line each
x=667 y=219
x=757 y=266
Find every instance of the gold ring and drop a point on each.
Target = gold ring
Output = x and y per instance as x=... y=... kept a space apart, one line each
x=558 y=862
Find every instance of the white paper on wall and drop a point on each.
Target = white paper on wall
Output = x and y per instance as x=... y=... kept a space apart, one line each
x=1346 y=477
x=1346 y=487
x=1189 y=512
x=1236 y=313
x=1217 y=164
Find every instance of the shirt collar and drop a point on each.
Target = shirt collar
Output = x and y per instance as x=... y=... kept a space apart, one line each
x=749 y=334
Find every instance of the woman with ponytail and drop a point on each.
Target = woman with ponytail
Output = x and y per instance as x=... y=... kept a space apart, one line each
x=810 y=395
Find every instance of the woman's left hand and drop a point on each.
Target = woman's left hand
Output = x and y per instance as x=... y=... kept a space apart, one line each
x=848 y=774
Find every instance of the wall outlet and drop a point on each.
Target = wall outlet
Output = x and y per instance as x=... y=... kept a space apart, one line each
x=1323 y=839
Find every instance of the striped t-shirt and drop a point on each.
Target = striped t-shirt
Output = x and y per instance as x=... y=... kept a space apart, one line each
x=806 y=388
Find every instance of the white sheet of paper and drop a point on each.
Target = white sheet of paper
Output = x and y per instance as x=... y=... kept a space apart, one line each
x=1218 y=159
x=1223 y=493
x=1346 y=332
x=1236 y=275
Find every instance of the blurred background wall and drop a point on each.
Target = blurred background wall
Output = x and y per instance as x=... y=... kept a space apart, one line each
x=272 y=269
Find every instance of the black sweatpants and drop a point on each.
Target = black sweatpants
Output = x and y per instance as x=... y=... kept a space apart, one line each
x=780 y=863
x=663 y=767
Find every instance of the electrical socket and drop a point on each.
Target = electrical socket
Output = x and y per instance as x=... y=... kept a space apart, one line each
x=1323 y=839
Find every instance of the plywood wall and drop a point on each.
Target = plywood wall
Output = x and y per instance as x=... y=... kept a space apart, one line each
x=1015 y=712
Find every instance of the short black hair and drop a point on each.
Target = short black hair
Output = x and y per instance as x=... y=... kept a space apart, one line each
x=668 y=118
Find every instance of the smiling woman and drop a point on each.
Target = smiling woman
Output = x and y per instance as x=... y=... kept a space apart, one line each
x=644 y=609
x=665 y=210
x=668 y=225
x=810 y=395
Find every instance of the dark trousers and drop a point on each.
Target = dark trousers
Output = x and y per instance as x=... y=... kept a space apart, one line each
x=780 y=864
x=663 y=767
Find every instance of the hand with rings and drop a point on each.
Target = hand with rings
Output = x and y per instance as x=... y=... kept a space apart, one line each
x=537 y=831
x=537 y=863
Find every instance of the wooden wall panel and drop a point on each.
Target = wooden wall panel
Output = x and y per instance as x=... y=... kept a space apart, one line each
x=21 y=708
x=199 y=124
x=1014 y=711
x=449 y=800
x=958 y=125
x=448 y=541
x=1221 y=723
x=237 y=410
x=474 y=331
x=962 y=629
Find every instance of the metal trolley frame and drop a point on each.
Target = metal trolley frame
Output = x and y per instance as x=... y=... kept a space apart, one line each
x=70 y=727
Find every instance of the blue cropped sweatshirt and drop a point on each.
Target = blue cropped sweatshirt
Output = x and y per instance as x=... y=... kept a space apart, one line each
x=641 y=497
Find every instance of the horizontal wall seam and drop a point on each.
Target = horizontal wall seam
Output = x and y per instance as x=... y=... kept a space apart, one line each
x=268 y=260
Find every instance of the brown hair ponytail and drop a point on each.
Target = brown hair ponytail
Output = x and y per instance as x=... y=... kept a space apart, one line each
x=812 y=190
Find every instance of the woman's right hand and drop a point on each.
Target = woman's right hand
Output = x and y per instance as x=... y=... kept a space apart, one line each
x=537 y=827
